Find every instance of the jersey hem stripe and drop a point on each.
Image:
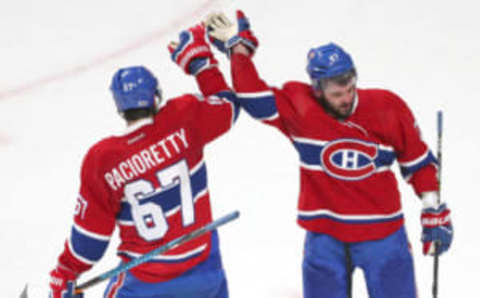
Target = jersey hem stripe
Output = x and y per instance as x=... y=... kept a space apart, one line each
x=169 y=258
x=326 y=212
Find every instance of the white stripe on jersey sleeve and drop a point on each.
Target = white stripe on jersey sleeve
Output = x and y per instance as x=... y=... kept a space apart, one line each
x=309 y=141
x=269 y=118
x=415 y=161
x=255 y=94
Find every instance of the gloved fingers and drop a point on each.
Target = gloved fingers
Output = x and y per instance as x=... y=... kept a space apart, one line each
x=428 y=248
x=220 y=23
x=209 y=19
x=219 y=33
x=217 y=22
x=440 y=248
x=444 y=246
x=216 y=34
x=447 y=230
x=198 y=28
x=212 y=24
x=224 y=20
x=240 y=14
x=172 y=46
x=212 y=21
x=183 y=38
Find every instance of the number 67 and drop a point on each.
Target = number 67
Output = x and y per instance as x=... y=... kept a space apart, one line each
x=150 y=212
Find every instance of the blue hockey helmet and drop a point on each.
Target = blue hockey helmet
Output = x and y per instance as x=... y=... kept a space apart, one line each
x=328 y=61
x=134 y=87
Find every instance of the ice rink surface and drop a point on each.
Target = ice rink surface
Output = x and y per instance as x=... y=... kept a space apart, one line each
x=57 y=59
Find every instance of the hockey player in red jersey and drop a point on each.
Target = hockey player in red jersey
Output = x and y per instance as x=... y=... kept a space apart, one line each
x=151 y=182
x=347 y=140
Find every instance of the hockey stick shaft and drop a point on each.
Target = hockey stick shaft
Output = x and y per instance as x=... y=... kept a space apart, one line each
x=148 y=256
x=439 y=148
x=439 y=157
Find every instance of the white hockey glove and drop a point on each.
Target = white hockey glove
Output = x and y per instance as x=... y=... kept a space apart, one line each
x=224 y=34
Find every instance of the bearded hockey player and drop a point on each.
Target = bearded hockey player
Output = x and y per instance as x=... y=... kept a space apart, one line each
x=151 y=182
x=347 y=140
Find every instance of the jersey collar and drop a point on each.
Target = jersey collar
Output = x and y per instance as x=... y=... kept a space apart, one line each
x=138 y=124
x=355 y=103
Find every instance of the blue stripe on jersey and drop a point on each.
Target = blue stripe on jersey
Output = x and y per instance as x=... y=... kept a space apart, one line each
x=350 y=221
x=231 y=97
x=309 y=153
x=169 y=198
x=260 y=107
x=412 y=168
x=87 y=247
x=384 y=158
x=198 y=181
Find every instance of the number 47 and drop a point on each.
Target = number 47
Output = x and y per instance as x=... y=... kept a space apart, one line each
x=150 y=219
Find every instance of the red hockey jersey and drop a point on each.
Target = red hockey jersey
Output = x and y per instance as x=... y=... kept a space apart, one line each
x=151 y=182
x=347 y=189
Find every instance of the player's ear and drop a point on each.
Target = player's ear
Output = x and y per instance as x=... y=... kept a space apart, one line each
x=317 y=92
x=158 y=99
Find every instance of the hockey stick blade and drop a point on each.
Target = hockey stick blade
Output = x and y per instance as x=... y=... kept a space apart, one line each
x=146 y=257
x=24 y=292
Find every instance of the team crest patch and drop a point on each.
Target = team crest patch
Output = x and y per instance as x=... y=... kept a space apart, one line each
x=349 y=159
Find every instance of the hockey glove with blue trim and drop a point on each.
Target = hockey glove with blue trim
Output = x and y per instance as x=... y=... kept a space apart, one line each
x=437 y=228
x=225 y=35
x=192 y=52
x=62 y=283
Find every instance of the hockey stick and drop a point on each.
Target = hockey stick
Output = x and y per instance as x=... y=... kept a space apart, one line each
x=24 y=292
x=439 y=157
x=146 y=257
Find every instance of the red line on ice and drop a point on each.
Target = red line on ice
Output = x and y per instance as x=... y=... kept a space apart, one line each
x=5 y=94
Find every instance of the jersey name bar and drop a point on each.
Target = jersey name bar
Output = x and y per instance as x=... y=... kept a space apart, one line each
x=147 y=158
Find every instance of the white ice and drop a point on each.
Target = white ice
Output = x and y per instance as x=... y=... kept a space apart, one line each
x=57 y=58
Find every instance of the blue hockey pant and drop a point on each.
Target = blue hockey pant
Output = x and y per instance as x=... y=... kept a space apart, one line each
x=387 y=264
x=206 y=280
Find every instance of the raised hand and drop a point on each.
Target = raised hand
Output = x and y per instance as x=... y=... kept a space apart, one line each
x=225 y=35
x=192 y=52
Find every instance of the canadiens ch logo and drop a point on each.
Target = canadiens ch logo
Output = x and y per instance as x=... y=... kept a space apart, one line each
x=349 y=159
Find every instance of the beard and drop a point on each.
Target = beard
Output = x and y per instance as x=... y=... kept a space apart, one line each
x=340 y=113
